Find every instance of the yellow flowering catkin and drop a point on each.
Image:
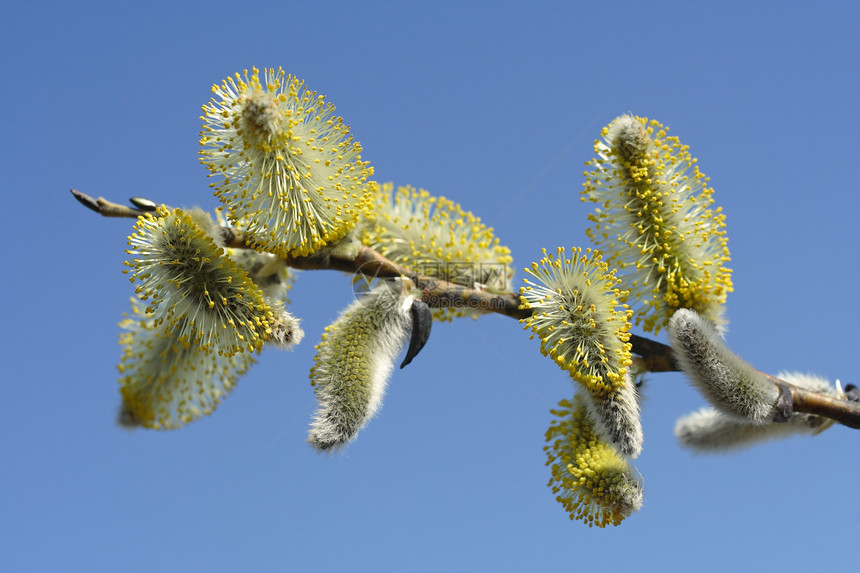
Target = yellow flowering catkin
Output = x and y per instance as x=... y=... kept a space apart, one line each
x=434 y=236
x=593 y=482
x=166 y=383
x=195 y=292
x=584 y=328
x=290 y=173
x=655 y=221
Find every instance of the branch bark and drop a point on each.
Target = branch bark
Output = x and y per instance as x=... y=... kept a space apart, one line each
x=438 y=293
x=844 y=411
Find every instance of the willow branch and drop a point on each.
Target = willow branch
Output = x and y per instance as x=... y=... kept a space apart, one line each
x=437 y=293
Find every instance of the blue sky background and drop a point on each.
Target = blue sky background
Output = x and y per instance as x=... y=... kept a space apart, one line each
x=495 y=105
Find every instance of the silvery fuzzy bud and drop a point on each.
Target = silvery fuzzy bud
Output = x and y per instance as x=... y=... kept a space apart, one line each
x=711 y=431
x=730 y=385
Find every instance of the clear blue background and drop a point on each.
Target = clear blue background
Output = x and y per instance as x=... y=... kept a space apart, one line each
x=495 y=105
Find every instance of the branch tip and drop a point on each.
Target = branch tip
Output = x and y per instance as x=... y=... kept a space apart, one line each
x=86 y=200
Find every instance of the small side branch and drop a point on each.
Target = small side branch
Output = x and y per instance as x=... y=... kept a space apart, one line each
x=107 y=208
x=846 y=412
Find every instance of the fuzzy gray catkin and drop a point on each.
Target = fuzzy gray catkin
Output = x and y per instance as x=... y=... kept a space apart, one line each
x=730 y=385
